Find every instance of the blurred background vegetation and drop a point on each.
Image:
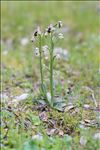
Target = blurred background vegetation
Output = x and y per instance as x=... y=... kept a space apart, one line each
x=81 y=30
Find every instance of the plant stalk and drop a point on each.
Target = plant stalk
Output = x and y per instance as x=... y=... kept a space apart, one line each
x=41 y=69
x=51 y=71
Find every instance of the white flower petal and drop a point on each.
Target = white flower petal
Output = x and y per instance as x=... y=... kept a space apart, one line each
x=46 y=33
x=60 y=36
x=59 y=24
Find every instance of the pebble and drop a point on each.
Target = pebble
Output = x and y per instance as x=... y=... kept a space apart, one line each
x=24 y=41
x=97 y=136
x=37 y=137
x=21 y=97
x=4 y=97
x=86 y=106
x=83 y=140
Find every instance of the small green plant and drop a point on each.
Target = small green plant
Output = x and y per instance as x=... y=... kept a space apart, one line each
x=47 y=52
x=54 y=143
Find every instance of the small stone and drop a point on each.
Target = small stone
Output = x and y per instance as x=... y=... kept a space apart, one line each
x=38 y=137
x=86 y=106
x=97 y=136
x=82 y=126
x=3 y=97
x=24 y=41
x=21 y=97
x=83 y=140
x=5 y=52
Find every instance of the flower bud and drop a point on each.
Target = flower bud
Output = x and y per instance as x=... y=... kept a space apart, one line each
x=35 y=33
x=59 y=24
x=50 y=28
x=38 y=30
x=37 y=51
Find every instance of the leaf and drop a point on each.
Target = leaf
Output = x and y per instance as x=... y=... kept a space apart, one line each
x=58 y=99
x=43 y=90
x=68 y=138
x=43 y=102
x=30 y=145
x=59 y=104
x=35 y=119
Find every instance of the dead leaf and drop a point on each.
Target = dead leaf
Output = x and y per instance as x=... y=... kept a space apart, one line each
x=61 y=133
x=43 y=116
x=51 y=123
x=76 y=111
x=89 y=123
x=69 y=108
x=51 y=131
x=33 y=127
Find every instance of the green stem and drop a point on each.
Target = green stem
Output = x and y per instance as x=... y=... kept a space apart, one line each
x=40 y=51
x=51 y=71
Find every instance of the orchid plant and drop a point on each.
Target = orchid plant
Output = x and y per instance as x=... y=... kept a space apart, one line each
x=47 y=52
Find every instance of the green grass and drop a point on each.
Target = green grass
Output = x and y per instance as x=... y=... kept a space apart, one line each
x=19 y=66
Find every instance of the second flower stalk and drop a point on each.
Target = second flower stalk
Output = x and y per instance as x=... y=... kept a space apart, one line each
x=41 y=66
x=51 y=69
